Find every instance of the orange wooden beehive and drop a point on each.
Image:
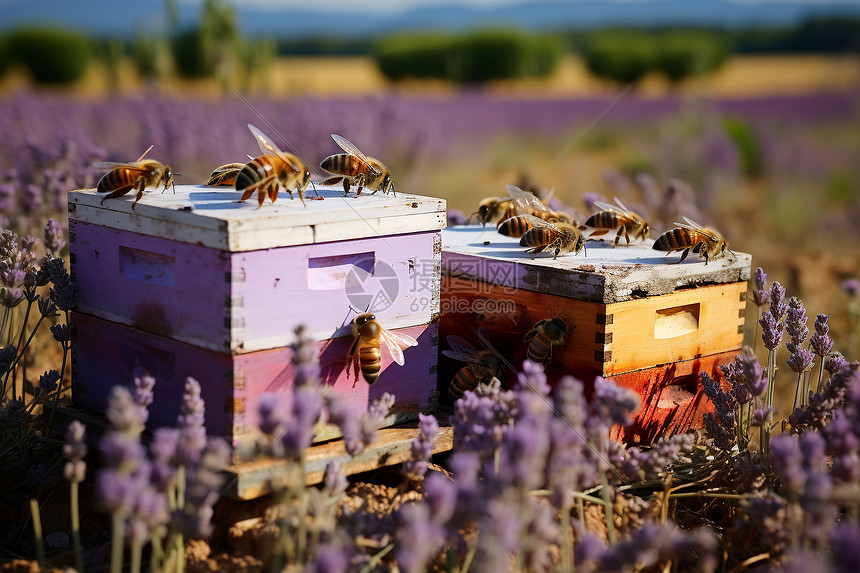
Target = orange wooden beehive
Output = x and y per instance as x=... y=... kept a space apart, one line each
x=632 y=315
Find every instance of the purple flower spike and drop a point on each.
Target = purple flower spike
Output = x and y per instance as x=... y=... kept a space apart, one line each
x=754 y=377
x=786 y=459
x=800 y=359
x=54 y=236
x=778 y=308
x=422 y=447
x=190 y=423
x=760 y=293
x=771 y=331
x=271 y=413
x=795 y=320
x=851 y=286
x=821 y=342
x=835 y=362
x=75 y=450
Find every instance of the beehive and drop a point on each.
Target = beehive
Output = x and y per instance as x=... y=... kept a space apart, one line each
x=195 y=284
x=629 y=309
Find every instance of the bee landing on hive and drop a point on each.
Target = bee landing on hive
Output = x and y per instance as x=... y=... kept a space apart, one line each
x=266 y=173
x=624 y=222
x=138 y=175
x=690 y=236
x=366 y=348
x=355 y=168
x=481 y=365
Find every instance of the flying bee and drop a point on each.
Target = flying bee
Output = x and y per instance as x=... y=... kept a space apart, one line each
x=137 y=175
x=545 y=334
x=355 y=168
x=225 y=176
x=620 y=219
x=274 y=169
x=690 y=236
x=366 y=348
x=560 y=238
x=481 y=365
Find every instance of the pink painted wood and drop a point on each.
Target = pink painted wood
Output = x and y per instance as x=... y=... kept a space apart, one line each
x=248 y=301
x=106 y=354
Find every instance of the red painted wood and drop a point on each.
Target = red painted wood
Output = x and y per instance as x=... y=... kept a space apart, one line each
x=672 y=397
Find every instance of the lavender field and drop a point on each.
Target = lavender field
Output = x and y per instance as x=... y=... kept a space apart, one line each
x=772 y=483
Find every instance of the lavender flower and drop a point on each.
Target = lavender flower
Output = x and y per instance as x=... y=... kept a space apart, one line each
x=75 y=450
x=800 y=359
x=771 y=330
x=203 y=488
x=192 y=433
x=162 y=452
x=851 y=286
x=48 y=382
x=422 y=447
x=821 y=342
x=760 y=293
x=778 y=308
x=795 y=320
x=614 y=403
x=834 y=362
x=271 y=413
x=143 y=394
x=419 y=538
x=53 y=236
x=787 y=462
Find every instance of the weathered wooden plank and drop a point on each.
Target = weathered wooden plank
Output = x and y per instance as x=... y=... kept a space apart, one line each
x=253 y=479
x=598 y=274
x=211 y=217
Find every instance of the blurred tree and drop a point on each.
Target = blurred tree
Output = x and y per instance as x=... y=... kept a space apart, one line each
x=472 y=58
x=114 y=52
x=4 y=55
x=624 y=56
x=53 y=55
x=255 y=57
x=684 y=54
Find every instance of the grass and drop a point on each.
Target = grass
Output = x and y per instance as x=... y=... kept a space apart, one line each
x=358 y=76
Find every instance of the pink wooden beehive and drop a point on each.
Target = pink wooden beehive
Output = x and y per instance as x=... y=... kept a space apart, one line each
x=194 y=284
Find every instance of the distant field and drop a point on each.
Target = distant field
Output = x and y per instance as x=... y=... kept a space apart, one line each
x=358 y=76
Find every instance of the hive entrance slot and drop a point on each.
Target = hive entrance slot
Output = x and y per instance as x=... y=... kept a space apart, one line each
x=676 y=321
x=331 y=273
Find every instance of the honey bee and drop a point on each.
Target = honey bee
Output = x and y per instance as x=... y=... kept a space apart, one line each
x=557 y=237
x=274 y=169
x=690 y=236
x=225 y=176
x=355 y=168
x=137 y=175
x=481 y=365
x=620 y=219
x=515 y=225
x=366 y=348
x=545 y=334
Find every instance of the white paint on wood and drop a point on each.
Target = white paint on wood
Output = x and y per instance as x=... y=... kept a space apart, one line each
x=599 y=273
x=211 y=217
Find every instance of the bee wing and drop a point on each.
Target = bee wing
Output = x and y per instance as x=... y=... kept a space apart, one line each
x=462 y=356
x=527 y=202
x=620 y=204
x=229 y=167
x=514 y=192
x=538 y=222
x=114 y=164
x=607 y=206
x=394 y=342
x=350 y=148
x=693 y=226
x=267 y=146
x=459 y=344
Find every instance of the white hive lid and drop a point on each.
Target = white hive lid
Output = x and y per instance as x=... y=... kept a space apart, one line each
x=600 y=273
x=210 y=216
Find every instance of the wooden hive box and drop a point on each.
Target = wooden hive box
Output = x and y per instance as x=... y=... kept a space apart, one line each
x=195 y=284
x=633 y=315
